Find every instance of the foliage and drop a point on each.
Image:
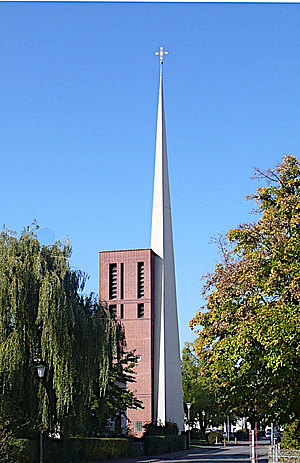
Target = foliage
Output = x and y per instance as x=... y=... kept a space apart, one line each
x=214 y=437
x=22 y=451
x=92 y=449
x=156 y=445
x=160 y=429
x=69 y=450
x=291 y=436
x=100 y=449
x=249 y=335
x=6 y=437
x=199 y=391
x=290 y=455
x=243 y=435
x=45 y=317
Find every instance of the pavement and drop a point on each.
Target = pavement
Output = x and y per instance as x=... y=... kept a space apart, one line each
x=235 y=453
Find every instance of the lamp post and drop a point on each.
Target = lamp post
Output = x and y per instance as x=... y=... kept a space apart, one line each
x=41 y=372
x=188 y=405
x=228 y=428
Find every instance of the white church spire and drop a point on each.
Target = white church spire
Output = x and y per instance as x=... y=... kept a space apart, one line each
x=168 y=405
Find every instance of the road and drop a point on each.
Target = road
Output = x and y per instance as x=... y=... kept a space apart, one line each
x=230 y=454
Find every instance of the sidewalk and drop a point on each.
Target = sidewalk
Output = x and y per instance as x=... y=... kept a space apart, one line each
x=150 y=459
x=155 y=458
x=209 y=453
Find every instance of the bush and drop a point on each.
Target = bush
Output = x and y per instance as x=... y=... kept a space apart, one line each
x=196 y=434
x=61 y=451
x=291 y=436
x=97 y=449
x=160 y=429
x=214 y=437
x=23 y=451
x=242 y=435
x=5 y=439
x=156 y=445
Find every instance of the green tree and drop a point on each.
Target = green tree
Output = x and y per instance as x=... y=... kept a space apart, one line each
x=45 y=317
x=199 y=391
x=249 y=334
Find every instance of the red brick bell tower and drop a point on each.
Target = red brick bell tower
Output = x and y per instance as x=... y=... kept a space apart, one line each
x=126 y=285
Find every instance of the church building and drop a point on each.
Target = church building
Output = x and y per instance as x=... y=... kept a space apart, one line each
x=139 y=286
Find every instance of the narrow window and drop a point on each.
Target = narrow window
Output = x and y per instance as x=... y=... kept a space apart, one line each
x=122 y=282
x=122 y=311
x=112 y=281
x=138 y=426
x=141 y=279
x=140 y=310
x=113 y=310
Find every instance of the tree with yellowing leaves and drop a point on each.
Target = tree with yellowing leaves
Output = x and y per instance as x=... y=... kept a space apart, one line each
x=248 y=332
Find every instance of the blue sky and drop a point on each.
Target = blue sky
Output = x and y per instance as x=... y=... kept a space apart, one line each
x=79 y=84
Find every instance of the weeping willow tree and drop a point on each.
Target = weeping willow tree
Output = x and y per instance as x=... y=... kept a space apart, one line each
x=101 y=396
x=44 y=317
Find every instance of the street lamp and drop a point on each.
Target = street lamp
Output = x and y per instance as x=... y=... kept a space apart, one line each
x=188 y=405
x=228 y=428
x=41 y=372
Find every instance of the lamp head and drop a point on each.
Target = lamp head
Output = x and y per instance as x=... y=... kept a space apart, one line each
x=41 y=370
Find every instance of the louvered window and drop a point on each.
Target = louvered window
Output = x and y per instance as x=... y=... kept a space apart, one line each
x=122 y=282
x=141 y=279
x=113 y=281
x=140 y=310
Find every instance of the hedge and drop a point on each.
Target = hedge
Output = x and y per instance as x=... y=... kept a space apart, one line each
x=23 y=451
x=74 y=450
x=101 y=448
x=155 y=445
x=77 y=450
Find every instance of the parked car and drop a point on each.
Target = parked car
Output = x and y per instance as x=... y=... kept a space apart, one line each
x=268 y=434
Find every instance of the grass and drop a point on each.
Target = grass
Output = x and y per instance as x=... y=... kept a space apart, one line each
x=195 y=443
